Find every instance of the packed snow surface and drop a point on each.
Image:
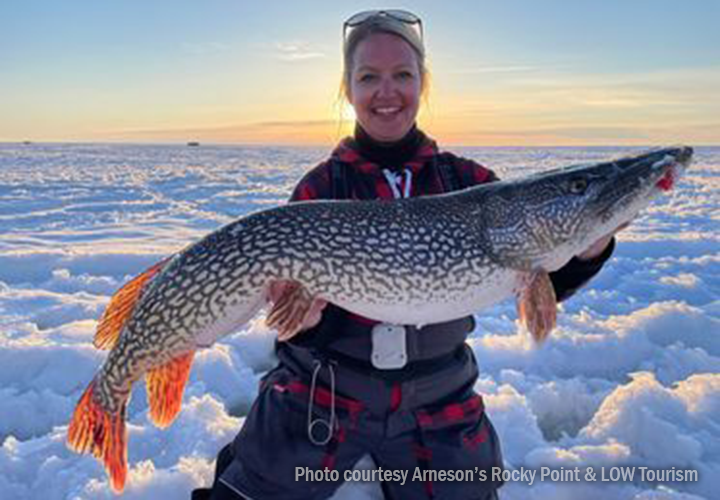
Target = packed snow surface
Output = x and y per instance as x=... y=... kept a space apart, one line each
x=630 y=377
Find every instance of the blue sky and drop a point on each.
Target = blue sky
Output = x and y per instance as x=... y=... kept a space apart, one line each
x=515 y=72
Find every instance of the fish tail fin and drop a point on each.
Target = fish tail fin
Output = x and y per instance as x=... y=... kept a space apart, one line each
x=165 y=387
x=121 y=306
x=93 y=429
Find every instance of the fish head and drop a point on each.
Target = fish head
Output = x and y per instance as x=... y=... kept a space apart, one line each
x=552 y=216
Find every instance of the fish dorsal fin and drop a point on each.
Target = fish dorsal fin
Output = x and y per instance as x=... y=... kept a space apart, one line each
x=537 y=305
x=121 y=306
x=165 y=387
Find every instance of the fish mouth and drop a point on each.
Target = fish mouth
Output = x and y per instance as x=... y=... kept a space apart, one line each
x=680 y=160
x=641 y=177
x=659 y=168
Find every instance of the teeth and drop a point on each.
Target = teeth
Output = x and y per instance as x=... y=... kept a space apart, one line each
x=386 y=111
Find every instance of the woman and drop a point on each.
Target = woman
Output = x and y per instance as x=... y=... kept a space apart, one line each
x=348 y=386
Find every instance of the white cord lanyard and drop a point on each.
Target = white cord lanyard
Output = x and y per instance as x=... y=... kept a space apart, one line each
x=395 y=182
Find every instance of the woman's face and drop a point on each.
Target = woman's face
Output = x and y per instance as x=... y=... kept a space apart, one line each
x=385 y=86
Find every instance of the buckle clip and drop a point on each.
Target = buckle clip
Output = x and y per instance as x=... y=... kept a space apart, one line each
x=389 y=346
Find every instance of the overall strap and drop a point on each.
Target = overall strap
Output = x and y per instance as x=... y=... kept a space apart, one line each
x=342 y=177
x=338 y=180
x=448 y=173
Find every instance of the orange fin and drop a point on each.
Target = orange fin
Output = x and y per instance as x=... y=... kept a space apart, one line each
x=121 y=306
x=537 y=306
x=94 y=430
x=165 y=387
x=289 y=311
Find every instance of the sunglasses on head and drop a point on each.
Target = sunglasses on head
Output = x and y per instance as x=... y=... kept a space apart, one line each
x=401 y=16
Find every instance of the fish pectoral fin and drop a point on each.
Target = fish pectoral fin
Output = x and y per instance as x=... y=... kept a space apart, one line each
x=121 y=306
x=289 y=311
x=165 y=387
x=537 y=305
x=94 y=430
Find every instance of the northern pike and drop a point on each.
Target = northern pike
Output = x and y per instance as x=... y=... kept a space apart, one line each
x=410 y=261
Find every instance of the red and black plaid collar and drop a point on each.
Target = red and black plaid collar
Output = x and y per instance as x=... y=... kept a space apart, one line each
x=347 y=152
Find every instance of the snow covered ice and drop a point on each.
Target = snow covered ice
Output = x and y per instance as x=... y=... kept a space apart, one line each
x=630 y=377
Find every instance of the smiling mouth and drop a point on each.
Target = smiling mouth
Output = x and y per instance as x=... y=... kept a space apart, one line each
x=387 y=110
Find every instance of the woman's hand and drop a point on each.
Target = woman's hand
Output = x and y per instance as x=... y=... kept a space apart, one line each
x=293 y=310
x=597 y=248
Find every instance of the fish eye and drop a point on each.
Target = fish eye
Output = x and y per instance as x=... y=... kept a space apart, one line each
x=578 y=186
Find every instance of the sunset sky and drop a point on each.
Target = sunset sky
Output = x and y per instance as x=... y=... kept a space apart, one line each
x=521 y=72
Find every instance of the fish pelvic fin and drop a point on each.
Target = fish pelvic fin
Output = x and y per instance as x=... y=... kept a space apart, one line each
x=537 y=306
x=288 y=313
x=165 y=387
x=94 y=430
x=121 y=307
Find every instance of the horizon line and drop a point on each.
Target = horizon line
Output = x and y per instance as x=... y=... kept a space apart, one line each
x=190 y=144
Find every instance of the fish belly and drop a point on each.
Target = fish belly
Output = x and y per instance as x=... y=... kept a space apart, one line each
x=438 y=308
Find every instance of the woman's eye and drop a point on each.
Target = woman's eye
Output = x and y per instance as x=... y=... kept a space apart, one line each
x=368 y=77
x=405 y=75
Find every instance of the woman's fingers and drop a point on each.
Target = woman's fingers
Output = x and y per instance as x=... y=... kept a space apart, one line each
x=314 y=314
x=599 y=246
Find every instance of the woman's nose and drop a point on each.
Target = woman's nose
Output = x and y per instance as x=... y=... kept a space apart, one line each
x=387 y=87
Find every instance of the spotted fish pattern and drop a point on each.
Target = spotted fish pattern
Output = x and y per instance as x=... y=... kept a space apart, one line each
x=408 y=261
